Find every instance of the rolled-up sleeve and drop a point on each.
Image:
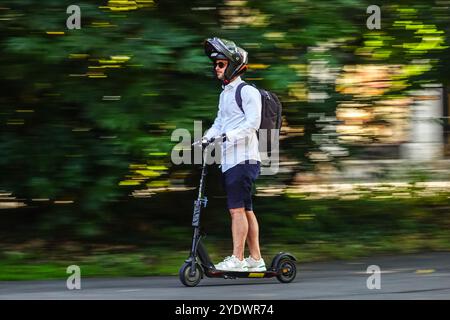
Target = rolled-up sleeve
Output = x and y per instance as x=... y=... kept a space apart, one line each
x=251 y=103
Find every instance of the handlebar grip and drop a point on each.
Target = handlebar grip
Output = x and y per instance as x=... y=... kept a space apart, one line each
x=221 y=137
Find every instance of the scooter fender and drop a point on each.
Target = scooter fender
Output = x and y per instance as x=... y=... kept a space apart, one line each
x=279 y=257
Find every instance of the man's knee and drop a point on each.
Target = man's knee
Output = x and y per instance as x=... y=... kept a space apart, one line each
x=235 y=212
x=250 y=214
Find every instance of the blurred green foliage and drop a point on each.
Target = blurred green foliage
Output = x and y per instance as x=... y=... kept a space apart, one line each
x=78 y=109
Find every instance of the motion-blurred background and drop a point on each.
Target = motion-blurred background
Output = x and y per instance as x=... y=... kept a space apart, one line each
x=86 y=118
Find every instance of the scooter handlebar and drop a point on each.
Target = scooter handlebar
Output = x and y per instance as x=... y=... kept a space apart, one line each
x=206 y=142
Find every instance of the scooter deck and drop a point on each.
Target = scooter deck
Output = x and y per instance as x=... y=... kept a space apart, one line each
x=213 y=273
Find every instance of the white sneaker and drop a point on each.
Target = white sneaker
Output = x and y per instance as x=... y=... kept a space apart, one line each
x=232 y=264
x=255 y=265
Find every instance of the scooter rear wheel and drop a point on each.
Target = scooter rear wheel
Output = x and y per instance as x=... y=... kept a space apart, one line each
x=288 y=270
x=185 y=277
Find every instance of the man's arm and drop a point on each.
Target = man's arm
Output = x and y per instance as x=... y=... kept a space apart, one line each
x=216 y=128
x=251 y=103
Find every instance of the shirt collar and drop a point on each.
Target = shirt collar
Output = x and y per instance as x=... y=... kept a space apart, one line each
x=233 y=84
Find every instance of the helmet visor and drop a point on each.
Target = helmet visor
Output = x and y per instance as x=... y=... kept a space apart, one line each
x=216 y=48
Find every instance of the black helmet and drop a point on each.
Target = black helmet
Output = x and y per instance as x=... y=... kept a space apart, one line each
x=237 y=57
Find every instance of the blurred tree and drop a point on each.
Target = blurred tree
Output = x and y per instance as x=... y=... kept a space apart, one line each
x=86 y=115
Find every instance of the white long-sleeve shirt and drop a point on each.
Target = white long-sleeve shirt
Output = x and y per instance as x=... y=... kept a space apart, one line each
x=240 y=127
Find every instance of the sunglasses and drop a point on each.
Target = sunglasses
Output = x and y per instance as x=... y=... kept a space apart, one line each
x=220 y=64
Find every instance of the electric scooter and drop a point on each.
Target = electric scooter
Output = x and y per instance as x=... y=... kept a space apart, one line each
x=199 y=264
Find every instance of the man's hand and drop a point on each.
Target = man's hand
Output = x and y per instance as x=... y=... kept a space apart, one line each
x=224 y=137
x=205 y=142
x=221 y=138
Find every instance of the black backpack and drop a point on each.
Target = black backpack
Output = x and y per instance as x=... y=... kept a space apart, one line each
x=270 y=117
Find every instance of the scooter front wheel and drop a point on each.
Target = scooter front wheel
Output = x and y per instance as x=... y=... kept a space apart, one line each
x=186 y=278
x=287 y=269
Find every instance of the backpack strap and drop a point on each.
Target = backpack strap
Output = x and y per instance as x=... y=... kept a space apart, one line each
x=238 y=95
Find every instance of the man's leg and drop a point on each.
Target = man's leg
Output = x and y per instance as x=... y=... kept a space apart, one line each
x=239 y=229
x=253 y=235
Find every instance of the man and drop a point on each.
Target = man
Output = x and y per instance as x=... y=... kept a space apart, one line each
x=240 y=160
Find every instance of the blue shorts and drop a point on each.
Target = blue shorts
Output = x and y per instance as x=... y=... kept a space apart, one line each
x=238 y=183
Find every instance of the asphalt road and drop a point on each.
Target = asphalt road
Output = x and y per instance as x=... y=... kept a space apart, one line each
x=415 y=276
